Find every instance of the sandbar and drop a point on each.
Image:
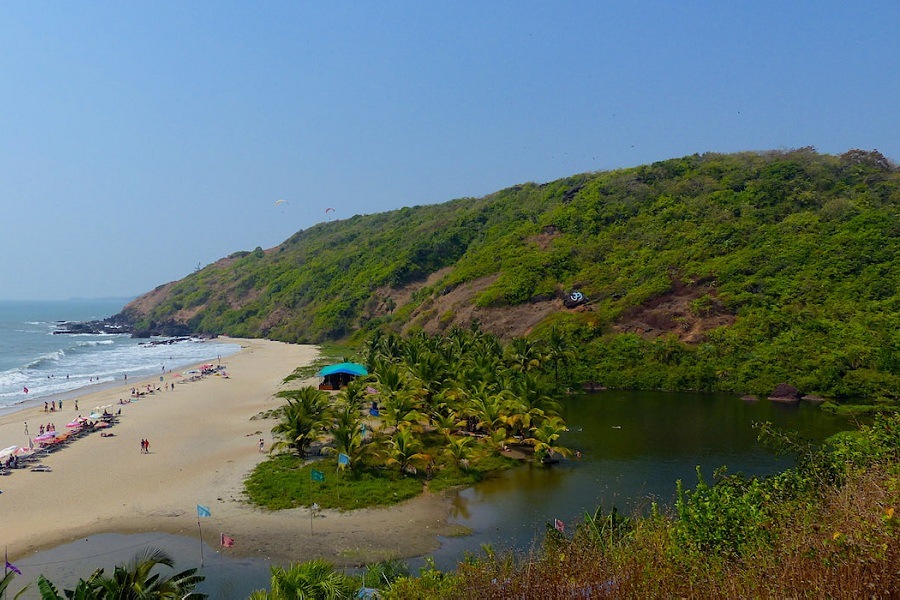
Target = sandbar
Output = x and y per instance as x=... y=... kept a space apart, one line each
x=203 y=444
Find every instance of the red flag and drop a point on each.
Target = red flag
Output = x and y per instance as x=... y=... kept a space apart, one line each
x=25 y=389
x=227 y=542
x=559 y=525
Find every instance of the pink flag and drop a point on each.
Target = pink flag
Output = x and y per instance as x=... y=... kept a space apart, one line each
x=559 y=525
x=227 y=542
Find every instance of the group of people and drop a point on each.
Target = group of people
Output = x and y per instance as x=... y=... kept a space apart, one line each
x=145 y=446
x=52 y=407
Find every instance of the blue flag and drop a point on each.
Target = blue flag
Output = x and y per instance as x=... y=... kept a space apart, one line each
x=343 y=459
x=318 y=475
x=203 y=511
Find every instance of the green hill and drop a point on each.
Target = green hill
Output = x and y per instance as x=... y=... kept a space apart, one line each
x=713 y=272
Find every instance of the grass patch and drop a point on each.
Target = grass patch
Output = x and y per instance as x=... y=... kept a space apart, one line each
x=285 y=481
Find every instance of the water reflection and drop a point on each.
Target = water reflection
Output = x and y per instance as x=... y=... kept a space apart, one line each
x=634 y=446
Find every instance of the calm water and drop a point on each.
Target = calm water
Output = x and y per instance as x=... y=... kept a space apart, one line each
x=634 y=445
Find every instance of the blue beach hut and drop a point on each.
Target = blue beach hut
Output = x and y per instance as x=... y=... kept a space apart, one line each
x=335 y=377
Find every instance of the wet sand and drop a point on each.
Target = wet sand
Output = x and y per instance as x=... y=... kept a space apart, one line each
x=203 y=444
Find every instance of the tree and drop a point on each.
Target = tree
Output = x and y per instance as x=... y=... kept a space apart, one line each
x=302 y=418
x=313 y=580
x=544 y=439
x=346 y=431
x=139 y=579
x=404 y=451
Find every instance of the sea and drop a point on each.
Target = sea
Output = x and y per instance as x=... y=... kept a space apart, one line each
x=57 y=366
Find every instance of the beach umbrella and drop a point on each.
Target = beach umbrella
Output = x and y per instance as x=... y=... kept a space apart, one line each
x=23 y=451
x=73 y=425
x=95 y=415
x=7 y=451
x=45 y=436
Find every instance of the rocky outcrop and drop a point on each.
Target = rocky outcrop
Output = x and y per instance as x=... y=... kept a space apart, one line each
x=785 y=393
x=109 y=325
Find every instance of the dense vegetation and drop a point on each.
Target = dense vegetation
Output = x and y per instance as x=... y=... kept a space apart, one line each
x=825 y=528
x=794 y=252
x=445 y=408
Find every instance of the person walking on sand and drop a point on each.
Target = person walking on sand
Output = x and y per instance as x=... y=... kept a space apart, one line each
x=262 y=445
x=26 y=428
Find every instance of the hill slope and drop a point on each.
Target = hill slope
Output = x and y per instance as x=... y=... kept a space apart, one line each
x=705 y=272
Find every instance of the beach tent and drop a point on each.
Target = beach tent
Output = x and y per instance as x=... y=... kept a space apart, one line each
x=334 y=377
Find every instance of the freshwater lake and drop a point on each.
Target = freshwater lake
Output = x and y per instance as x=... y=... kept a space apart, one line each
x=634 y=447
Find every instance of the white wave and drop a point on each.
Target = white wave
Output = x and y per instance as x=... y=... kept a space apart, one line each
x=95 y=343
x=43 y=359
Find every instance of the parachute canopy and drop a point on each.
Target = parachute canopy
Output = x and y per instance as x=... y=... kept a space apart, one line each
x=280 y=202
x=329 y=209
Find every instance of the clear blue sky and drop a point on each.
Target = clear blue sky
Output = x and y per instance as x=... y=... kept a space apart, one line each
x=140 y=139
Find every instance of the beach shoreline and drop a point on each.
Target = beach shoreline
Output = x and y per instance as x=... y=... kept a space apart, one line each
x=203 y=444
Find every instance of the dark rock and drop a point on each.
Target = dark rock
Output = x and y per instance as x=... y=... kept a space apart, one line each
x=813 y=398
x=108 y=325
x=785 y=393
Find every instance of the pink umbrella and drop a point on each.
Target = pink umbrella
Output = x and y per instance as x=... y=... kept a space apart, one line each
x=45 y=436
x=73 y=425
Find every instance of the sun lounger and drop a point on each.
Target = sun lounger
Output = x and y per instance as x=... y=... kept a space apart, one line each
x=40 y=469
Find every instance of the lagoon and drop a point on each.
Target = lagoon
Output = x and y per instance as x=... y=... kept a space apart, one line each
x=634 y=446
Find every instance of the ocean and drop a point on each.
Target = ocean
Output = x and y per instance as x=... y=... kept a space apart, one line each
x=48 y=365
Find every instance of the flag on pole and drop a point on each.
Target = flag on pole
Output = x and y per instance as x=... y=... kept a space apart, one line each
x=13 y=568
x=25 y=389
x=559 y=525
x=343 y=459
x=318 y=475
x=227 y=542
x=203 y=511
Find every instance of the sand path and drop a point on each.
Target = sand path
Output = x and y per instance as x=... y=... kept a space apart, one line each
x=203 y=444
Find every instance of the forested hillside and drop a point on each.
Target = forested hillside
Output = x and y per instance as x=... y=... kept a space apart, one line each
x=712 y=272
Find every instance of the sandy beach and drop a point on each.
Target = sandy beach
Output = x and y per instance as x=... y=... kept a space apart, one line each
x=203 y=444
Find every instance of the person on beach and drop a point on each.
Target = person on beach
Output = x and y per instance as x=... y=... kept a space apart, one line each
x=143 y=445
x=60 y=405
x=76 y=404
x=26 y=428
x=262 y=445
x=45 y=407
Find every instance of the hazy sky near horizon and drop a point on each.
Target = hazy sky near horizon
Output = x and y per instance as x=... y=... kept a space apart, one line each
x=143 y=139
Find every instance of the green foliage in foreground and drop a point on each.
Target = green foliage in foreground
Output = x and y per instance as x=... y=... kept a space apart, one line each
x=799 y=249
x=829 y=527
x=139 y=579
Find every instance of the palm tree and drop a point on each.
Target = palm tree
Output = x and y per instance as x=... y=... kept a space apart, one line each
x=525 y=355
x=403 y=451
x=558 y=351
x=137 y=580
x=313 y=580
x=302 y=419
x=459 y=450
x=544 y=439
x=346 y=431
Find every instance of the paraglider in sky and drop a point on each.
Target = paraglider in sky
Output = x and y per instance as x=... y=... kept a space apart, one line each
x=280 y=202
x=329 y=209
